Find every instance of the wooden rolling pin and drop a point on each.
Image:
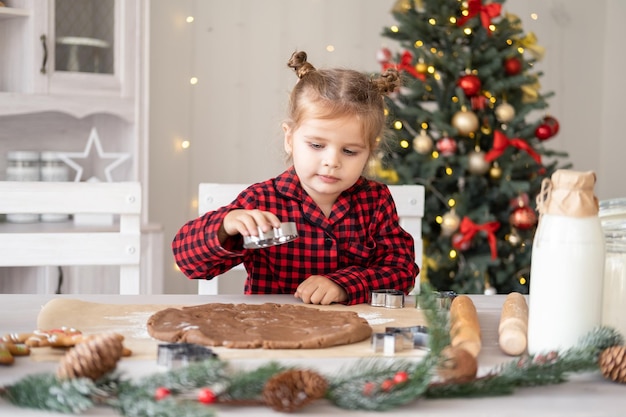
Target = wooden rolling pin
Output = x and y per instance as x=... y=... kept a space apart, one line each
x=464 y=325
x=513 y=328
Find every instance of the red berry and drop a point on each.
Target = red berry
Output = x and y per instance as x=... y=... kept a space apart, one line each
x=161 y=393
x=206 y=396
x=400 y=377
x=368 y=388
x=387 y=385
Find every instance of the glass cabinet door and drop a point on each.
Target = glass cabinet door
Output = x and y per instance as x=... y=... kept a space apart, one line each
x=84 y=32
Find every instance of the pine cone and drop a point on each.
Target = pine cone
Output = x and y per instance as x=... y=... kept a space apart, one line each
x=612 y=363
x=457 y=365
x=93 y=358
x=293 y=389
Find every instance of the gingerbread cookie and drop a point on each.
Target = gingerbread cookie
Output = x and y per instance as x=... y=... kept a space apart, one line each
x=267 y=326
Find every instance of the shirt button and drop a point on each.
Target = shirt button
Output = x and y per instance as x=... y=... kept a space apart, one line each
x=328 y=243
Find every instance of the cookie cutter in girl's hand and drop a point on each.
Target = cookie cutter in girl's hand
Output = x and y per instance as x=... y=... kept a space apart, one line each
x=276 y=236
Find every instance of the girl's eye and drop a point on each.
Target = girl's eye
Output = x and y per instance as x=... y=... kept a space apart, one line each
x=349 y=152
x=315 y=145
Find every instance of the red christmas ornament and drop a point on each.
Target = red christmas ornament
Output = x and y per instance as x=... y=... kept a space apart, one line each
x=459 y=243
x=161 y=393
x=446 y=146
x=512 y=66
x=519 y=201
x=543 y=132
x=470 y=84
x=383 y=55
x=552 y=123
x=523 y=218
x=206 y=396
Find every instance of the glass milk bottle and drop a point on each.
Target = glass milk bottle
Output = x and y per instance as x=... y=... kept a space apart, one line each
x=22 y=166
x=53 y=169
x=567 y=263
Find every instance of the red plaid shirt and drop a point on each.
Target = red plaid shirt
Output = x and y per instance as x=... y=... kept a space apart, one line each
x=361 y=246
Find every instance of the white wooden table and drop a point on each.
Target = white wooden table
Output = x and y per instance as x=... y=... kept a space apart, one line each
x=584 y=395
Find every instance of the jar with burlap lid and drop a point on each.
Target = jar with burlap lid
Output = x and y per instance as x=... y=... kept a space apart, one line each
x=567 y=263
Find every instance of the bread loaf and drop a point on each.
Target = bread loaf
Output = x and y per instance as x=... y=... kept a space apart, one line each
x=513 y=328
x=464 y=325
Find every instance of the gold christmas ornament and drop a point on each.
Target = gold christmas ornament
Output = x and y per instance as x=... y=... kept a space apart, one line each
x=476 y=163
x=495 y=172
x=421 y=67
x=423 y=143
x=450 y=222
x=505 y=112
x=513 y=238
x=465 y=122
x=612 y=363
x=93 y=358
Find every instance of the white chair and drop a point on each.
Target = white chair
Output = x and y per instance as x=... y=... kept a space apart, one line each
x=409 y=201
x=50 y=244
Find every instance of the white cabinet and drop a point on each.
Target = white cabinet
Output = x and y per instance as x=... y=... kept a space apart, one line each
x=72 y=67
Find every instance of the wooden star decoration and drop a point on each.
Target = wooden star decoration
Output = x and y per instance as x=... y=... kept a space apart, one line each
x=91 y=161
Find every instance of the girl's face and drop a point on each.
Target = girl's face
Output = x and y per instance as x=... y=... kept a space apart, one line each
x=329 y=156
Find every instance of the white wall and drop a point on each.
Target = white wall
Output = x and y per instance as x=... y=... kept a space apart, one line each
x=238 y=50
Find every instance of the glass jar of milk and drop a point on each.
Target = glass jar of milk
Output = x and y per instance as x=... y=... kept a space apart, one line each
x=567 y=263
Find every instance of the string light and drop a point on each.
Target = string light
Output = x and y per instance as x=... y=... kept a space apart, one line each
x=330 y=48
x=451 y=202
x=467 y=31
x=452 y=254
x=397 y=125
x=404 y=143
x=193 y=80
x=534 y=16
x=189 y=19
x=394 y=29
x=185 y=144
x=432 y=21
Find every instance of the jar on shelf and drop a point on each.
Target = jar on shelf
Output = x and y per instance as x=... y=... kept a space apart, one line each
x=53 y=169
x=22 y=166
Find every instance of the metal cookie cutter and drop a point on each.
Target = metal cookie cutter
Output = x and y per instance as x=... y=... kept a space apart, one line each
x=387 y=298
x=417 y=335
x=175 y=355
x=397 y=339
x=278 y=235
x=444 y=299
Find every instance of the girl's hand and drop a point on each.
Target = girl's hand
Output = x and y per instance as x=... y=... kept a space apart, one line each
x=318 y=289
x=247 y=223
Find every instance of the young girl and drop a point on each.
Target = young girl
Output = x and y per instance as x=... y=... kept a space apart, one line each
x=350 y=242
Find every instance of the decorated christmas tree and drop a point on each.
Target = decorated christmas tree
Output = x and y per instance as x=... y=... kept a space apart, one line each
x=470 y=124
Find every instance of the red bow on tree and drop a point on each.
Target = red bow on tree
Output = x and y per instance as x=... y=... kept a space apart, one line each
x=487 y=12
x=468 y=230
x=406 y=64
x=501 y=142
